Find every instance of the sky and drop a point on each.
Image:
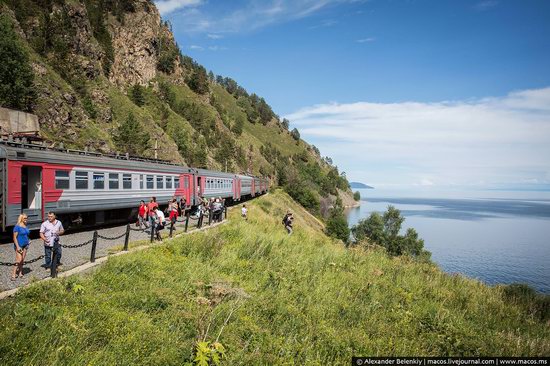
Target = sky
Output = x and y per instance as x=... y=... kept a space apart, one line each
x=401 y=94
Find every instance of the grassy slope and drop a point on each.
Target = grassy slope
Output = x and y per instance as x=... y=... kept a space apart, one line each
x=301 y=299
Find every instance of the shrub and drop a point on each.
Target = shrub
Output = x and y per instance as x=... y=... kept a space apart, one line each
x=384 y=231
x=295 y=134
x=357 y=196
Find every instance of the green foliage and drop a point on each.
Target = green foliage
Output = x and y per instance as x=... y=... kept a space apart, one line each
x=384 y=231
x=89 y=107
x=305 y=196
x=119 y=7
x=285 y=123
x=295 y=134
x=371 y=228
x=207 y=354
x=16 y=75
x=198 y=82
x=337 y=225
x=237 y=127
x=130 y=137
x=136 y=95
x=357 y=196
x=321 y=302
x=168 y=52
x=166 y=93
x=248 y=108
x=97 y=16
x=533 y=304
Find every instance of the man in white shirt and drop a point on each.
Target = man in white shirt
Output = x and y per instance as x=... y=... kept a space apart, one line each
x=244 y=212
x=159 y=222
x=50 y=230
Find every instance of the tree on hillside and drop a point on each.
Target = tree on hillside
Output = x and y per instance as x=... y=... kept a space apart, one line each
x=384 y=230
x=286 y=123
x=295 y=134
x=137 y=96
x=356 y=196
x=16 y=75
x=198 y=82
x=265 y=111
x=168 y=53
x=237 y=127
x=337 y=225
x=130 y=136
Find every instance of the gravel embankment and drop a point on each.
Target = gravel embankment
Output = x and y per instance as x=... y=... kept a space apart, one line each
x=71 y=257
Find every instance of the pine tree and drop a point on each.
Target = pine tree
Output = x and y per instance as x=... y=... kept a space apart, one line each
x=130 y=137
x=16 y=75
x=137 y=96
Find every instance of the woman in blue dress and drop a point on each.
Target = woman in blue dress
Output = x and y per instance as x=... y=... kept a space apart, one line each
x=20 y=244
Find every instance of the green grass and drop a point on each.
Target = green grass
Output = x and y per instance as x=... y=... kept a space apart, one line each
x=268 y=298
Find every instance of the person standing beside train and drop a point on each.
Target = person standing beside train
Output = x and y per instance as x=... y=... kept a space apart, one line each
x=21 y=243
x=50 y=230
x=182 y=204
x=151 y=207
x=142 y=214
x=173 y=210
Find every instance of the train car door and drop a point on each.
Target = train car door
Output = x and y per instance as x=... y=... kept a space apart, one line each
x=31 y=192
x=3 y=184
x=199 y=190
x=236 y=189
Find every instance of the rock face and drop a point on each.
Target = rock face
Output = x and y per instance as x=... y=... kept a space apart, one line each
x=136 y=44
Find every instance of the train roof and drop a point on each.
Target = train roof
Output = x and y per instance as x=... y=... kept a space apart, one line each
x=214 y=173
x=34 y=152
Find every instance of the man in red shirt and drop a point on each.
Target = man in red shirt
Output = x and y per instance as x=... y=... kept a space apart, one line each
x=151 y=207
x=142 y=215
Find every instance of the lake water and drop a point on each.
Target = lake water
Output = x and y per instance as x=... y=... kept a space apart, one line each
x=496 y=240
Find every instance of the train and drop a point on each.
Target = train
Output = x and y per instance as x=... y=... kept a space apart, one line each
x=90 y=188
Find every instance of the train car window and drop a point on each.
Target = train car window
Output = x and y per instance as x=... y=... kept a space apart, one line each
x=141 y=181
x=127 y=181
x=186 y=182
x=176 y=182
x=160 y=182
x=81 y=180
x=61 y=179
x=168 y=182
x=113 y=180
x=150 y=182
x=99 y=180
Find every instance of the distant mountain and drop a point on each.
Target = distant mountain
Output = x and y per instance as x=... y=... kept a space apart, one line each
x=359 y=185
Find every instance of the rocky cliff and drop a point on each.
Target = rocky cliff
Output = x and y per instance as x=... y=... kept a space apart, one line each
x=99 y=64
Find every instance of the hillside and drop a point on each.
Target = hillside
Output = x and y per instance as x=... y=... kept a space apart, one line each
x=108 y=76
x=267 y=298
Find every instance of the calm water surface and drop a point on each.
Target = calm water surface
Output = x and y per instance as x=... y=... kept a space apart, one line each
x=496 y=240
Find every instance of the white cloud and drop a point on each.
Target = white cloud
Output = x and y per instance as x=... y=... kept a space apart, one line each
x=169 y=6
x=485 y=5
x=503 y=140
x=214 y=36
x=196 y=47
x=217 y=48
x=194 y=17
x=365 y=40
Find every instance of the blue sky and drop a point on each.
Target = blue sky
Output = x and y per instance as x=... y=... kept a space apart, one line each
x=399 y=93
